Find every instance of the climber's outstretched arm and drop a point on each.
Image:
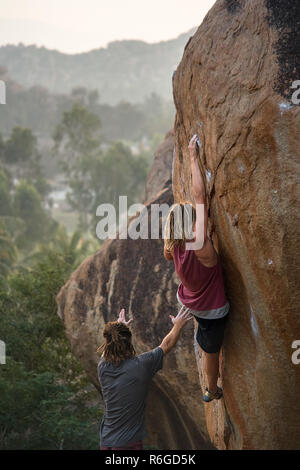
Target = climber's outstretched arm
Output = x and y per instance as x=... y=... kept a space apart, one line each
x=198 y=186
x=179 y=322
x=207 y=254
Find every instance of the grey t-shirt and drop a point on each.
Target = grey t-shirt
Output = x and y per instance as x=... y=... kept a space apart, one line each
x=124 y=389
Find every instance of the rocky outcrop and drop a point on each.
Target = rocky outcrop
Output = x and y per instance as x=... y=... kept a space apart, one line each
x=134 y=274
x=160 y=174
x=232 y=87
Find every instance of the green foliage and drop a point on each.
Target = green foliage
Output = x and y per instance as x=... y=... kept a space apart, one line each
x=73 y=248
x=8 y=253
x=36 y=178
x=78 y=132
x=19 y=156
x=159 y=115
x=78 y=136
x=125 y=120
x=27 y=203
x=45 y=399
x=2 y=147
x=5 y=196
x=28 y=206
x=23 y=216
x=96 y=176
x=103 y=178
x=122 y=174
x=29 y=297
x=20 y=147
x=38 y=412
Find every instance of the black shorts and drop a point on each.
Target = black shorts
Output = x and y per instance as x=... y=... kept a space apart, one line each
x=210 y=333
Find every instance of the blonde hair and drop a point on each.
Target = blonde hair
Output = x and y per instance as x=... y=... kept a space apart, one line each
x=179 y=225
x=117 y=344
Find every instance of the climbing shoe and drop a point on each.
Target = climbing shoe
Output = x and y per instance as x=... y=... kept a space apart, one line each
x=209 y=396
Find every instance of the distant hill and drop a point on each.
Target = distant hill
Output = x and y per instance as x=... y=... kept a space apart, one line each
x=124 y=70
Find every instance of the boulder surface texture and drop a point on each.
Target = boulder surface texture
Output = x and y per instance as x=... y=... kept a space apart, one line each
x=233 y=88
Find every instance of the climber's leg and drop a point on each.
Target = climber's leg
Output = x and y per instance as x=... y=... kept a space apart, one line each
x=211 y=368
x=210 y=336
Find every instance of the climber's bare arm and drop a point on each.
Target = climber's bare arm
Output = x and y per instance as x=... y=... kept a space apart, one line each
x=179 y=322
x=198 y=186
x=207 y=253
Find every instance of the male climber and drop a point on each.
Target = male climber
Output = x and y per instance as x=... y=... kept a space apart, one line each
x=200 y=271
x=125 y=378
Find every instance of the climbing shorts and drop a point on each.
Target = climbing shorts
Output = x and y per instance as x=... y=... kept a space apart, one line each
x=210 y=333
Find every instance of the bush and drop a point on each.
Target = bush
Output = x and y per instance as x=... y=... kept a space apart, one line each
x=45 y=398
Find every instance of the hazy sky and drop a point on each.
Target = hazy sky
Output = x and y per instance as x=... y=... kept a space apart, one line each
x=80 y=25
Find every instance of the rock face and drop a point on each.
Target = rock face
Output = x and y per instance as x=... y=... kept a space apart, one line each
x=232 y=87
x=134 y=274
x=160 y=174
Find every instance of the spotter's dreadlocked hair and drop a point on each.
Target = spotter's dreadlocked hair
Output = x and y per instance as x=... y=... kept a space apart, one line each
x=117 y=345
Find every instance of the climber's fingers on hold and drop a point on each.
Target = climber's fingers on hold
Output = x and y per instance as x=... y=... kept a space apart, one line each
x=193 y=142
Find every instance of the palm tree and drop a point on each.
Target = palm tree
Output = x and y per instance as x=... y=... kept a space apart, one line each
x=73 y=248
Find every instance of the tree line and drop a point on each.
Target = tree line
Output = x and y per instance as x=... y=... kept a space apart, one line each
x=46 y=400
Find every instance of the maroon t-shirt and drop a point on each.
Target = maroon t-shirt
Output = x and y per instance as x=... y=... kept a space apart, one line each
x=201 y=287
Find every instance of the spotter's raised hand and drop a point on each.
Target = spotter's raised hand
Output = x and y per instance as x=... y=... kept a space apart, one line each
x=122 y=318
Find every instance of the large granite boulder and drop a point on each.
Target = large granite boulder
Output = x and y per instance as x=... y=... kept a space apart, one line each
x=233 y=88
